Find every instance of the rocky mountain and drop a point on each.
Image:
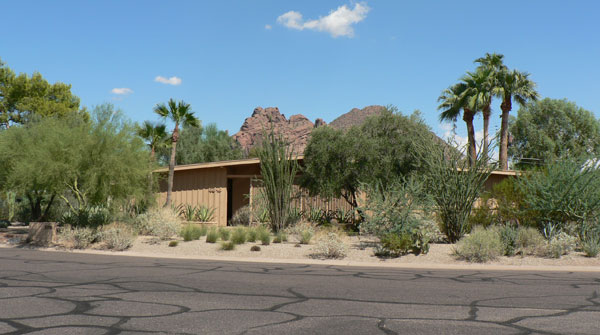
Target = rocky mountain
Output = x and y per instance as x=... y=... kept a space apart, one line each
x=296 y=130
x=355 y=117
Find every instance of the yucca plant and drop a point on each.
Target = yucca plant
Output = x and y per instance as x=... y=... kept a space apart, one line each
x=188 y=212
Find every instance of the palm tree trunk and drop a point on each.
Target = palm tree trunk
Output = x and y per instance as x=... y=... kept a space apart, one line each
x=486 y=126
x=150 y=176
x=506 y=106
x=172 y=165
x=468 y=118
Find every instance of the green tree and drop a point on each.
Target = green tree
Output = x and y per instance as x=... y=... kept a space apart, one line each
x=452 y=101
x=552 y=129
x=206 y=144
x=24 y=98
x=512 y=85
x=155 y=135
x=181 y=114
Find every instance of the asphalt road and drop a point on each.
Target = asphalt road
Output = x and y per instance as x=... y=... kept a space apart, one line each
x=66 y=293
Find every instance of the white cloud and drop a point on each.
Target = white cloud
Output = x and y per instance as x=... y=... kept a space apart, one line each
x=338 y=23
x=121 y=91
x=268 y=27
x=169 y=81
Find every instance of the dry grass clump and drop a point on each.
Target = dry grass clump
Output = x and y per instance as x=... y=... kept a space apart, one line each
x=77 y=238
x=160 y=222
x=481 y=246
x=117 y=237
x=330 y=245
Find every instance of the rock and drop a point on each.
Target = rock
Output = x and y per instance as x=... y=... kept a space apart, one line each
x=319 y=123
x=42 y=232
x=296 y=130
x=355 y=117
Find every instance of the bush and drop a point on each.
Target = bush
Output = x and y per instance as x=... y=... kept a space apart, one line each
x=560 y=244
x=78 y=237
x=117 y=237
x=204 y=214
x=251 y=235
x=395 y=245
x=591 y=245
x=530 y=241
x=306 y=236
x=92 y=217
x=162 y=223
x=302 y=231
x=191 y=232
x=480 y=246
x=255 y=248
x=173 y=244
x=224 y=233
x=508 y=237
x=280 y=237
x=227 y=245
x=330 y=246
x=241 y=217
x=263 y=235
x=239 y=235
x=212 y=236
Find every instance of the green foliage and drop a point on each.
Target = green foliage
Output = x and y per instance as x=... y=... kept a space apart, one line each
x=530 y=241
x=562 y=192
x=173 y=244
x=92 y=217
x=204 y=214
x=305 y=236
x=191 y=232
x=205 y=144
x=394 y=245
x=509 y=237
x=280 y=237
x=591 y=245
x=278 y=168
x=337 y=162
x=239 y=235
x=224 y=233
x=263 y=235
x=251 y=235
x=8 y=206
x=212 y=236
x=481 y=246
x=551 y=129
x=228 y=245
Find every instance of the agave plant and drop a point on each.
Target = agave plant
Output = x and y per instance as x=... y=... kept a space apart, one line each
x=188 y=212
x=204 y=214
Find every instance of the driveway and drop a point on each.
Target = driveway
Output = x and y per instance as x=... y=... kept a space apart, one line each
x=67 y=293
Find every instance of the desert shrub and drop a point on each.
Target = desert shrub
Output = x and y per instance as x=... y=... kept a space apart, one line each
x=251 y=234
x=191 y=232
x=591 y=245
x=78 y=237
x=330 y=246
x=560 y=244
x=212 y=235
x=263 y=235
x=117 y=237
x=508 y=237
x=397 y=209
x=343 y=216
x=394 y=245
x=229 y=245
x=241 y=217
x=305 y=236
x=224 y=233
x=187 y=212
x=255 y=248
x=203 y=230
x=204 y=214
x=562 y=192
x=162 y=223
x=481 y=246
x=280 y=237
x=302 y=231
x=173 y=244
x=530 y=241
x=239 y=235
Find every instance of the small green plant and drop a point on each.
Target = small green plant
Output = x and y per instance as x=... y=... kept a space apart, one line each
x=306 y=236
x=395 y=245
x=203 y=230
x=481 y=246
x=191 y=232
x=229 y=245
x=251 y=235
x=508 y=236
x=280 y=237
x=188 y=212
x=591 y=245
x=314 y=215
x=212 y=236
x=239 y=235
x=530 y=242
x=263 y=235
x=173 y=244
x=204 y=214
x=224 y=233
x=255 y=248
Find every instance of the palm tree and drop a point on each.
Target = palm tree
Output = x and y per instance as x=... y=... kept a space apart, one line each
x=512 y=85
x=155 y=135
x=480 y=88
x=452 y=100
x=181 y=114
x=489 y=67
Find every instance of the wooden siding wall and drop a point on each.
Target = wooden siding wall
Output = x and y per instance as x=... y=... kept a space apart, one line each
x=202 y=187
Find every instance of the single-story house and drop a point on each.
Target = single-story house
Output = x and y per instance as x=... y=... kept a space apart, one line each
x=227 y=186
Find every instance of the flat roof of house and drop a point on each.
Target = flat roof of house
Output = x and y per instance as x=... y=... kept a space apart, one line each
x=247 y=161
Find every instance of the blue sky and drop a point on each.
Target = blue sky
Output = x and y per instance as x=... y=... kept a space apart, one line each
x=232 y=56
